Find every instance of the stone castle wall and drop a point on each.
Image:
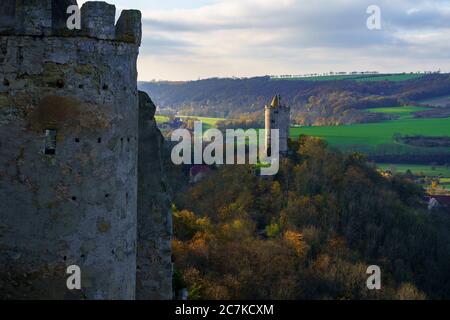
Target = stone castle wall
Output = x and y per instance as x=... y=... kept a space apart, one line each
x=154 y=251
x=69 y=132
x=278 y=118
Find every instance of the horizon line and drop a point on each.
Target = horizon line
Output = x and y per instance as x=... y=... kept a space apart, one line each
x=299 y=76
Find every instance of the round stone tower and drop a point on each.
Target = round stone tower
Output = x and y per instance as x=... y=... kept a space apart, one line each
x=68 y=141
x=277 y=116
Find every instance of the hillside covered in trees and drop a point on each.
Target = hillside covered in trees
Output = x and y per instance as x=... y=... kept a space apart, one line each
x=312 y=102
x=309 y=233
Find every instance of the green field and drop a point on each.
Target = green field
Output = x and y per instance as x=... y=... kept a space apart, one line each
x=325 y=78
x=434 y=173
x=391 y=77
x=358 y=77
x=378 y=138
x=401 y=112
x=369 y=136
x=445 y=183
x=161 y=119
x=207 y=122
x=420 y=169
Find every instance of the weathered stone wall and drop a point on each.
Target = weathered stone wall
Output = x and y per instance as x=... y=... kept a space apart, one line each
x=154 y=265
x=283 y=122
x=278 y=118
x=268 y=127
x=78 y=205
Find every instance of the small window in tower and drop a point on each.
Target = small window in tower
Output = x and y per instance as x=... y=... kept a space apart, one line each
x=60 y=83
x=272 y=121
x=50 y=142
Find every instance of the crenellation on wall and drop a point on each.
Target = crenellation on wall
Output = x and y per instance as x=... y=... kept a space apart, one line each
x=129 y=26
x=7 y=16
x=97 y=20
x=33 y=17
x=60 y=15
x=49 y=18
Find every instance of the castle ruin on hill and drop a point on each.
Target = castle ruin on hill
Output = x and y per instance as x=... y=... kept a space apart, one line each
x=277 y=116
x=81 y=178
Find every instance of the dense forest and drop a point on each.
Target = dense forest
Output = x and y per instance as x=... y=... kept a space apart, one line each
x=312 y=102
x=310 y=232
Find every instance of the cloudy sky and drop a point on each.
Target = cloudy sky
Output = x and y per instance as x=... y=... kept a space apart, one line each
x=192 y=39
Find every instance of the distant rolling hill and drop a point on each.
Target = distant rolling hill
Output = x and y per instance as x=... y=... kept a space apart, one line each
x=330 y=101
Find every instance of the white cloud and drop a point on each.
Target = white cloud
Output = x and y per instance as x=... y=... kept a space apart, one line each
x=257 y=37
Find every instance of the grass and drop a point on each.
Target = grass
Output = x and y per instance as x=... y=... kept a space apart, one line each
x=161 y=119
x=428 y=171
x=208 y=123
x=378 y=137
x=391 y=77
x=401 y=112
x=360 y=78
x=325 y=78
x=445 y=183
x=440 y=172
x=370 y=138
x=376 y=134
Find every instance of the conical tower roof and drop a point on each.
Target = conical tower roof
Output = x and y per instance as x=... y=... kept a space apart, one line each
x=275 y=102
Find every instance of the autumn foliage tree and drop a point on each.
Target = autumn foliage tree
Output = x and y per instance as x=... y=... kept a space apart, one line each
x=310 y=232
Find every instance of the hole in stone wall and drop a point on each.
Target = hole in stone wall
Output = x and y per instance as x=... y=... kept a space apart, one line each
x=77 y=140
x=65 y=258
x=105 y=87
x=128 y=140
x=81 y=86
x=107 y=195
x=6 y=83
x=74 y=198
x=99 y=140
x=60 y=83
x=50 y=142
